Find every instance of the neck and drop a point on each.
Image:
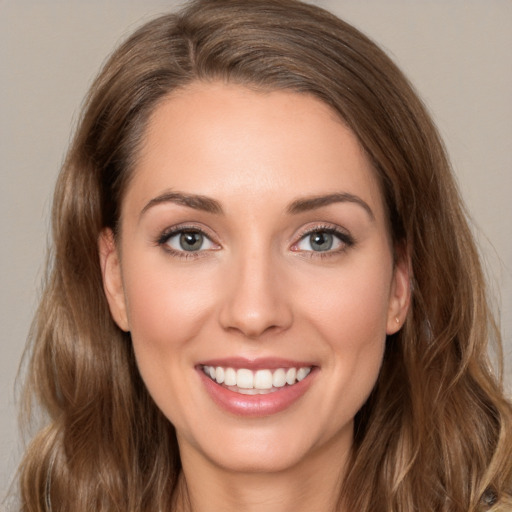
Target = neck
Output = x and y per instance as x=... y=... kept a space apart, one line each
x=312 y=484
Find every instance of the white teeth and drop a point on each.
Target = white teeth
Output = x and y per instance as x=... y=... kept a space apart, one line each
x=230 y=377
x=250 y=391
x=279 y=378
x=303 y=373
x=291 y=375
x=219 y=374
x=261 y=381
x=244 y=379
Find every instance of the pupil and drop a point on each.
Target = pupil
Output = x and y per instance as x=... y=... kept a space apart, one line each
x=191 y=241
x=321 y=241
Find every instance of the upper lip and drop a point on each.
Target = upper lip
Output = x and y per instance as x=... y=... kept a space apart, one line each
x=264 y=363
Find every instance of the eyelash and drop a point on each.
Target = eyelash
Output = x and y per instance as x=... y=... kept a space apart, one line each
x=345 y=238
x=164 y=238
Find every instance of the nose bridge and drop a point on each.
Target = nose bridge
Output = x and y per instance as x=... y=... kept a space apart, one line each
x=255 y=298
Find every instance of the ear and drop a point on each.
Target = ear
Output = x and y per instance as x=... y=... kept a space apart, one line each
x=112 y=278
x=400 y=294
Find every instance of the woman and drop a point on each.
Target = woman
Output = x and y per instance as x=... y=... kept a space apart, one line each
x=263 y=292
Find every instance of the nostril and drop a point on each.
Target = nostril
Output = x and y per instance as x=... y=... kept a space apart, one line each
x=254 y=325
x=253 y=331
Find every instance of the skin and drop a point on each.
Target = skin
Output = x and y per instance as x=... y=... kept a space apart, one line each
x=256 y=288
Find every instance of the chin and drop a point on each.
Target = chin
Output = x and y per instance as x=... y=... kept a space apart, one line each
x=270 y=448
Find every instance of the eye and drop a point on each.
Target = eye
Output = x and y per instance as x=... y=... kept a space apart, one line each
x=324 y=240
x=188 y=240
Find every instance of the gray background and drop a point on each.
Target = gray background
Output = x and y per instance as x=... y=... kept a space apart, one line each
x=456 y=52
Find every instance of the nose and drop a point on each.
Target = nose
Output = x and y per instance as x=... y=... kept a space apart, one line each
x=257 y=300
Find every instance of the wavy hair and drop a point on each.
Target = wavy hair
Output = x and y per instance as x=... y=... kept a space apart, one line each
x=435 y=433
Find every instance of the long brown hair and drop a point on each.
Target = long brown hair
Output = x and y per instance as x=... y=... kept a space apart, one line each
x=436 y=432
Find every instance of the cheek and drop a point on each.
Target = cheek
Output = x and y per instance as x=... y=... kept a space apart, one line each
x=167 y=308
x=165 y=305
x=350 y=315
x=352 y=304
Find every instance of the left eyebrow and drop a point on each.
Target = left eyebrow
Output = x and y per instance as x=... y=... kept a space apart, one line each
x=312 y=203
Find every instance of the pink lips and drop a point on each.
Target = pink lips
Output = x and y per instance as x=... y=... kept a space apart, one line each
x=255 y=405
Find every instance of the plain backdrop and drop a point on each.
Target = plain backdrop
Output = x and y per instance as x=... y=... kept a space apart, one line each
x=456 y=52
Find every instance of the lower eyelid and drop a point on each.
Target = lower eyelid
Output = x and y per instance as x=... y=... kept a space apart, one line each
x=162 y=241
x=174 y=243
x=343 y=239
x=177 y=234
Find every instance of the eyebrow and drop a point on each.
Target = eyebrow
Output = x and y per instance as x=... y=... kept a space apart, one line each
x=209 y=205
x=197 y=202
x=314 y=202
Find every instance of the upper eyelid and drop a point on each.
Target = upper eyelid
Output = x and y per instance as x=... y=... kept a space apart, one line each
x=180 y=232
x=164 y=237
x=342 y=234
x=297 y=237
x=327 y=226
x=162 y=241
x=179 y=228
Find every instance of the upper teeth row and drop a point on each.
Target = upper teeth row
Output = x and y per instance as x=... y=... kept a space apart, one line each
x=260 y=379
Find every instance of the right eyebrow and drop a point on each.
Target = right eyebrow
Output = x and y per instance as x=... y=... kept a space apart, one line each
x=195 y=201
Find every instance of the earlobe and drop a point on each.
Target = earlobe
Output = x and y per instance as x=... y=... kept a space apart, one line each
x=400 y=296
x=112 y=278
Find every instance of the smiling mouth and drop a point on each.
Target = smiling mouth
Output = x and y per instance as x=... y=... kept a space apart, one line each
x=259 y=382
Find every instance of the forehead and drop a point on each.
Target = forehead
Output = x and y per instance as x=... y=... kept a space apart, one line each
x=236 y=144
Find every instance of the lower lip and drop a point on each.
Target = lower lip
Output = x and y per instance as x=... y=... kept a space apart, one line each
x=256 y=405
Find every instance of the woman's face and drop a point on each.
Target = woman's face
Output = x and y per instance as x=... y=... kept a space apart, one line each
x=255 y=273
